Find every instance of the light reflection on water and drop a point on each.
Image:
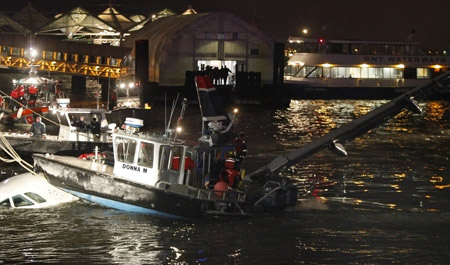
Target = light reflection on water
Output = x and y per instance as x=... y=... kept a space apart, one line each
x=385 y=203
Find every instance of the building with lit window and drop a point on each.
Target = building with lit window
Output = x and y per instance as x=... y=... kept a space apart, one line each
x=193 y=41
x=344 y=63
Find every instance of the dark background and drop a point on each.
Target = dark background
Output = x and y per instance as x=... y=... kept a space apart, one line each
x=381 y=20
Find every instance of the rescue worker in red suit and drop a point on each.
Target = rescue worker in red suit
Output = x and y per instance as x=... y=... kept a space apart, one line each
x=188 y=163
x=15 y=98
x=189 y=166
x=229 y=174
x=32 y=91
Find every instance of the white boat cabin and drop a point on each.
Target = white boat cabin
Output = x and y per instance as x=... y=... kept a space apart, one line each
x=78 y=124
x=149 y=160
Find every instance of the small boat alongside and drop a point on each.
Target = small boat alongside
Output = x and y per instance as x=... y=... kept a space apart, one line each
x=29 y=191
x=79 y=130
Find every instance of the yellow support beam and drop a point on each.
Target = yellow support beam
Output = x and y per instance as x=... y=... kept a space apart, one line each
x=65 y=67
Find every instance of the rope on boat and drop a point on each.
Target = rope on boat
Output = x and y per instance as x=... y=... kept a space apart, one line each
x=34 y=112
x=9 y=150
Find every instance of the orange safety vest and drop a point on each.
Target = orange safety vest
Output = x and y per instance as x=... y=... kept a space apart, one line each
x=15 y=93
x=188 y=163
x=32 y=90
x=21 y=91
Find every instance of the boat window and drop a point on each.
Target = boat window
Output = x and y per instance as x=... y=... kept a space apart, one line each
x=20 y=201
x=177 y=152
x=35 y=197
x=5 y=203
x=145 y=157
x=125 y=149
x=423 y=73
x=170 y=157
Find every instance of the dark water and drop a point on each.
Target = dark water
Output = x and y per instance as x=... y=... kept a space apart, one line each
x=390 y=203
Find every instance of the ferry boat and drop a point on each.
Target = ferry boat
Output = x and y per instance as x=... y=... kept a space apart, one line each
x=346 y=67
x=167 y=176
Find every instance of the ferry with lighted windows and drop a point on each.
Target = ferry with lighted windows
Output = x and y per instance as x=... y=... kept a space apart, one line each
x=344 y=67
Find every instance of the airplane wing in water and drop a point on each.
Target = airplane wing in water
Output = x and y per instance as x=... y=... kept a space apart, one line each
x=336 y=139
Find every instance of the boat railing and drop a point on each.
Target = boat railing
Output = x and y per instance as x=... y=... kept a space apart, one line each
x=227 y=196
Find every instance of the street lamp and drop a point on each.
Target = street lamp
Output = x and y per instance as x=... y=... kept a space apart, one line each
x=305 y=31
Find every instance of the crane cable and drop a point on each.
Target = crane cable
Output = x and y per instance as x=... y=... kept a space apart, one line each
x=9 y=150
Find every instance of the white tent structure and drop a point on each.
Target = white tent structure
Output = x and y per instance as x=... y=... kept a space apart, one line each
x=181 y=43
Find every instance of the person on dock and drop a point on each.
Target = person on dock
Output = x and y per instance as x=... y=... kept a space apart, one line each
x=38 y=128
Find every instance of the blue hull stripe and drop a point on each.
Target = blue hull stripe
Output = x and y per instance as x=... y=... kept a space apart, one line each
x=119 y=205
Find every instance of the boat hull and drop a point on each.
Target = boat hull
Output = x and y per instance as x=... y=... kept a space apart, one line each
x=27 y=146
x=101 y=187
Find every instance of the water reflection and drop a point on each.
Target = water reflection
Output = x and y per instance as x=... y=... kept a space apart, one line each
x=385 y=203
x=383 y=162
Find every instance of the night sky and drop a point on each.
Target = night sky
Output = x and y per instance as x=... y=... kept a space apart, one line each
x=381 y=20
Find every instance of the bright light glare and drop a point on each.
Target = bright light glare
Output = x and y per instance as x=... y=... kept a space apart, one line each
x=122 y=85
x=33 y=52
x=179 y=129
x=131 y=85
x=235 y=110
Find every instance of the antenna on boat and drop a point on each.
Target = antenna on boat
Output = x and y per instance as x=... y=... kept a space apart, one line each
x=169 y=131
x=180 y=119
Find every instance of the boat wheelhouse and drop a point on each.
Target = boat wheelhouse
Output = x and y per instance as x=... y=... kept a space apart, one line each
x=348 y=63
x=162 y=176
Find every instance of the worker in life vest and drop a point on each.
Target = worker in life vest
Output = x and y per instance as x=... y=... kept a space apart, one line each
x=188 y=163
x=15 y=100
x=21 y=91
x=32 y=92
x=229 y=174
x=15 y=93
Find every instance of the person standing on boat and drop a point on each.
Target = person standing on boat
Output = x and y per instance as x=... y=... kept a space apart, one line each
x=81 y=124
x=229 y=174
x=112 y=100
x=32 y=92
x=38 y=128
x=46 y=90
x=14 y=102
x=95 y=128
x=58 y=89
